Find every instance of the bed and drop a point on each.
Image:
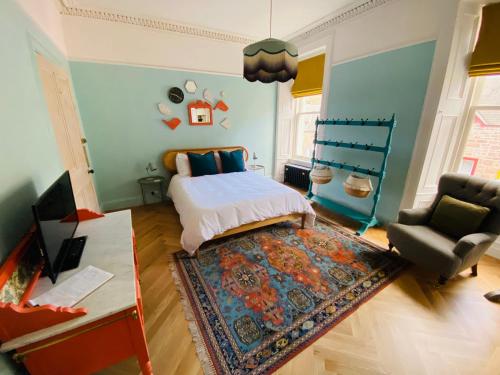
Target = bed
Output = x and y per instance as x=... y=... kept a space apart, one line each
x=220 y=205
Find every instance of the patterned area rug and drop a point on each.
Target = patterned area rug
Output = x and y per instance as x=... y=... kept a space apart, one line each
x=256 y=300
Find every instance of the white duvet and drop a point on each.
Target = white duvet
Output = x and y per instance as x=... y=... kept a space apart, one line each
x=210 y=205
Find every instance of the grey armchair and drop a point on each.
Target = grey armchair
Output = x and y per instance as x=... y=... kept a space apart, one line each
x=436 y=251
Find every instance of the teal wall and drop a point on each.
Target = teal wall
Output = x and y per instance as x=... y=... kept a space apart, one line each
x=124 y=129
x=30 y=161
x=375 y=87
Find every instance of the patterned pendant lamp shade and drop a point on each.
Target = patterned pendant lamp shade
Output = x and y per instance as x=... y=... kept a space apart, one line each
x=270 y=60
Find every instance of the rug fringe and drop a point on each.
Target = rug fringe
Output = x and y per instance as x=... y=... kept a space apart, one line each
x=201 y=350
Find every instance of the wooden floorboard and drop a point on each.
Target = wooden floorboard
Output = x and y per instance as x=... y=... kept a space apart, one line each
x=410 y=327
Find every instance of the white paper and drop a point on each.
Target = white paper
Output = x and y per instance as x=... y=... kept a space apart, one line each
x=77 y=287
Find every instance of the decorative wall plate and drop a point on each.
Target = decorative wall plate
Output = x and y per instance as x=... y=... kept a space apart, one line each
x=164 y=109
x=200 y=113
x=172 y=123
x=190 y=86
x=176 y=95
x=222 y=106
x=225 y=123
x=208 y=96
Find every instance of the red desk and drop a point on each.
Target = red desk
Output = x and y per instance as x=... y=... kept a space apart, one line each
x=112 y=328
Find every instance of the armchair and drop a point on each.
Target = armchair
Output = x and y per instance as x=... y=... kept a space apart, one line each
x=436 y=251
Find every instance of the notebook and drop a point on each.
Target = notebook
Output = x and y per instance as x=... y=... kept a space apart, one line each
x=71 y=291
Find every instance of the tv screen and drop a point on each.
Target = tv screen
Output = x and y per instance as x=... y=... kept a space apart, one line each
x=56 y=218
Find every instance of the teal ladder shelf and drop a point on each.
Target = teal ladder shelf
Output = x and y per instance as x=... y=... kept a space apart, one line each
x=366 y=221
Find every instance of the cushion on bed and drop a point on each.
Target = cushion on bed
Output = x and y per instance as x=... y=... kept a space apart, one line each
x=202 y=164
x=182 y=165
x=232 y=161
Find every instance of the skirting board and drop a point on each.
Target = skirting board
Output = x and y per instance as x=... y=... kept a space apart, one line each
x=494 y=252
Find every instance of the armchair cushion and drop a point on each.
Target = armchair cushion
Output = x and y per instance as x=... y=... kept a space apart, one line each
x=457 y=218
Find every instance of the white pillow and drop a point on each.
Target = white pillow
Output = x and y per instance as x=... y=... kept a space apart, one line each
x=218 y=161
x=182 y=164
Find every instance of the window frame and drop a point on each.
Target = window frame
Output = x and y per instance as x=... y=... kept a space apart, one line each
x=300 y=159
x=474 y=164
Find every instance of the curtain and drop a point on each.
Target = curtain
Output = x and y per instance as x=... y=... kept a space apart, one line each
x=485 y=59
x=309 y=79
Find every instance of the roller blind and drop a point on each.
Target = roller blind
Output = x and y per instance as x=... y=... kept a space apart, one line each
x=485 y=59
x=309 y=79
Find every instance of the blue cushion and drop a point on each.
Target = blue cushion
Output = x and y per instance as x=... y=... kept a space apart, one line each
x=202 y=165
x=232 y=161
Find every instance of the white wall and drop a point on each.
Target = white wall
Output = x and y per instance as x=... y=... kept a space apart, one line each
x=114 y=42
x=393 y=25
x=45 y=14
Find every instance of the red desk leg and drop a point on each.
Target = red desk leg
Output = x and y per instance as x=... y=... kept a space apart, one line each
x=140 y=345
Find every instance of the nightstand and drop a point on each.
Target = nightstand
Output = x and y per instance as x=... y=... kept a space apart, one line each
x=256 y=168
x=153 y=185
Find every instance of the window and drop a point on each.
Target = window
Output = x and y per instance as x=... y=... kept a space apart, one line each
x=481 y=155
x=468 y=166
x=307 y=110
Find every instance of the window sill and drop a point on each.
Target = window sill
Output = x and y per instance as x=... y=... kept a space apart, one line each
x=301 y=162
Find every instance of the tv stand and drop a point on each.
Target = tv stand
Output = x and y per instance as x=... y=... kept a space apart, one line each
x=71 y=253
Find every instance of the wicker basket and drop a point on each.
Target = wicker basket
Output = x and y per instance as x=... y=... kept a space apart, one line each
x=321 y=174
x=357 y=186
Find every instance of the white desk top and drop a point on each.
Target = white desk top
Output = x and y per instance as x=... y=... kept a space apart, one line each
x=109 y=247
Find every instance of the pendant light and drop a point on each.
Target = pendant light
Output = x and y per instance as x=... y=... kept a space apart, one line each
x=270 y=60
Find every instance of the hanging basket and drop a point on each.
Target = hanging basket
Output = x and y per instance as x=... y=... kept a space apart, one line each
x=321 y=174
x=357 y=186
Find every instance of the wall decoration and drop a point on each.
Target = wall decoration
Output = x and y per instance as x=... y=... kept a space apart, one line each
x=225 y=123
x=176 y=95
x=223 y=94
x=164 y=109
x=222 y=106
x=208 y=96
x=200 y=113
x=172 y=123
x=190 y=86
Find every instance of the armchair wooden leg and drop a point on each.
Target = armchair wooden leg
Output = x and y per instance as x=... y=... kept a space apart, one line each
x=391 y=246
x=474 y=270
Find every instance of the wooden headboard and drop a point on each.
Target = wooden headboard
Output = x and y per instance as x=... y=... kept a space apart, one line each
x=170 y=155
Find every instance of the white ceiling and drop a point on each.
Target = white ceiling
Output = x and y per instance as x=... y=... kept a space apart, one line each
x=247 y=18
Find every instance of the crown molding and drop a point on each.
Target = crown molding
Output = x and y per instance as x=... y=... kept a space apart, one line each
x=318 y=27
x=336 y=18
x=152 y=23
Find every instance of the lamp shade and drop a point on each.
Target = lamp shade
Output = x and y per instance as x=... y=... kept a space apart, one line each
x=270 y=60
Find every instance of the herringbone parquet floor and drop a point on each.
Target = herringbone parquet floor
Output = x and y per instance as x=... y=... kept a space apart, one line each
x=410 y=327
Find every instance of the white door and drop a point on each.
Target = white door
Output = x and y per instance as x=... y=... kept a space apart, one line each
x=455 y=99
x=68 y=133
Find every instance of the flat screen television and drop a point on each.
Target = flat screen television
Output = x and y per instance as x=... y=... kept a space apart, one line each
x=56 y=221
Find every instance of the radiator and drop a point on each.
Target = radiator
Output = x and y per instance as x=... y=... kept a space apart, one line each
x=297 y=176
